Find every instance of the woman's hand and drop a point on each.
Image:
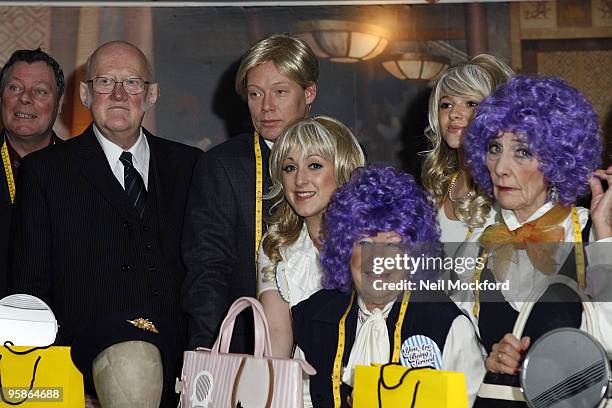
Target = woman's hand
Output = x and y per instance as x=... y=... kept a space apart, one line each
x=601 y=203
x=507 y=355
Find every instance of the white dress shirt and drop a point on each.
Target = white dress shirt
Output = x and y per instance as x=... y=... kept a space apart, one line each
x=140 y=156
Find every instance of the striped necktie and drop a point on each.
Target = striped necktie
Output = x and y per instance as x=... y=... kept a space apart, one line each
x=134 y=186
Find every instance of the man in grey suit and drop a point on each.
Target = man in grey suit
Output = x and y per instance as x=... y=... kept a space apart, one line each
x=277 y=77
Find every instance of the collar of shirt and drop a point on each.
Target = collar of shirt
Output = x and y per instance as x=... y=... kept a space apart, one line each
x=140 y=152
x=513 y=223
x=299 y=274
x=15 y=158
x=303 y=245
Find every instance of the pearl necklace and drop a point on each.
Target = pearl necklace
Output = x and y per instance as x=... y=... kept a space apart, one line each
x=362 y=317
x=451 y=188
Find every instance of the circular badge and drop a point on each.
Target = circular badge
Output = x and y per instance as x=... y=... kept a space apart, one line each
x=420 y=351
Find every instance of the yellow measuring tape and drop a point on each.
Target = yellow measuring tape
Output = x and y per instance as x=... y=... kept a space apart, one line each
x=397 y=337
x=8 y=170
x=476 y=280
x=258 y=199
x=579 y=255
x=578 y=250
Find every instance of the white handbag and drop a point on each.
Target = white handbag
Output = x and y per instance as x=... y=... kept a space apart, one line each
x=217 y=378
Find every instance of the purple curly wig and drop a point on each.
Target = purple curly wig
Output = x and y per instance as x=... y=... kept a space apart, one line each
x=376 y=199
x=560 y=126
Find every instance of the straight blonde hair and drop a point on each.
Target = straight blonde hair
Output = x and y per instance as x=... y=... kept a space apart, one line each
x=291 y=55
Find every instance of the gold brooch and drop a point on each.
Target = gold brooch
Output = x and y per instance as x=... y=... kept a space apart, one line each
x=144 y=324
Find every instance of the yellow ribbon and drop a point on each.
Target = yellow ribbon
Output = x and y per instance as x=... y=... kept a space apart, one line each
x=504 y=243
x=579 y=255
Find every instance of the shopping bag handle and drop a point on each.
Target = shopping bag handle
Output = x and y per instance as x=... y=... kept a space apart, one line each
x=7 y=345
x=262 y=333
x=592 y=324
x=381 y=382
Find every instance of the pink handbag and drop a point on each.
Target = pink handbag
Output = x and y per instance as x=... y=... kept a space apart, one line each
x=219 y=379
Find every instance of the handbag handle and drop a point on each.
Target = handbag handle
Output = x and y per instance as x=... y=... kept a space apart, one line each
x=263 y=346
x=592 y=325
x=7 y=345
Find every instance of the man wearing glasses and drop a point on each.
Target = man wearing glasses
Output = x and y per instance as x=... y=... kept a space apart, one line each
x=31 y=93
x=99 y=218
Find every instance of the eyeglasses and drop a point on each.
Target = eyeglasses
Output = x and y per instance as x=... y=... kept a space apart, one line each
x=106 y=85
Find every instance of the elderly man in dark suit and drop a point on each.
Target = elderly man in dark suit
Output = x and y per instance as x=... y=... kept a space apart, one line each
x=31 y=94
x=99 y=218
x=223 y=226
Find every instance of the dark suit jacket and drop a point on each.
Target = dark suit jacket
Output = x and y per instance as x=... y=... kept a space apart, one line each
x=6 y=211
x=81 y=247
x=218 y=244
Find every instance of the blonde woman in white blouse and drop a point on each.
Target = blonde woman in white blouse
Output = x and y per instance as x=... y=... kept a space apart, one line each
x=307 y=164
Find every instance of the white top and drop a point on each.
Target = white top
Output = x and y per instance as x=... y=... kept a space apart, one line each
x=299 y=273
x=140 y=152
x=599 y=271
x=457 y=231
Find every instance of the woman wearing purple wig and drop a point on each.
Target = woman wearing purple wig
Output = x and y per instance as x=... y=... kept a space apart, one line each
x=534 y=145
x=352 y=321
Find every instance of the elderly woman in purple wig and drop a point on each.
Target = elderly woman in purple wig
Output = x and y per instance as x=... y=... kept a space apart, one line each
x=534 y=145
x=352 y=321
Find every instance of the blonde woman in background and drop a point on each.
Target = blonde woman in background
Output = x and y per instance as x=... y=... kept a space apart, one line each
x=310 y=160
x=462 y=206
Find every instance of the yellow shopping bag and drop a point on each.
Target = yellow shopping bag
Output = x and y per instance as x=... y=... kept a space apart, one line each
x=396 y=386
x=39 y=377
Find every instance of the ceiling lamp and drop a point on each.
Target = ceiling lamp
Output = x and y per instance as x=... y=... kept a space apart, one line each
x=415 y=65
x=343 y=41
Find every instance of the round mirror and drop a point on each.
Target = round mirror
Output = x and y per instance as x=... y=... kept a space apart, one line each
x=26 y=320
x=565 y=368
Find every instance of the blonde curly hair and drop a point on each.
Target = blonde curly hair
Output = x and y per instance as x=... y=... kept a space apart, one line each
x=477 y=77
x=320 y=135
